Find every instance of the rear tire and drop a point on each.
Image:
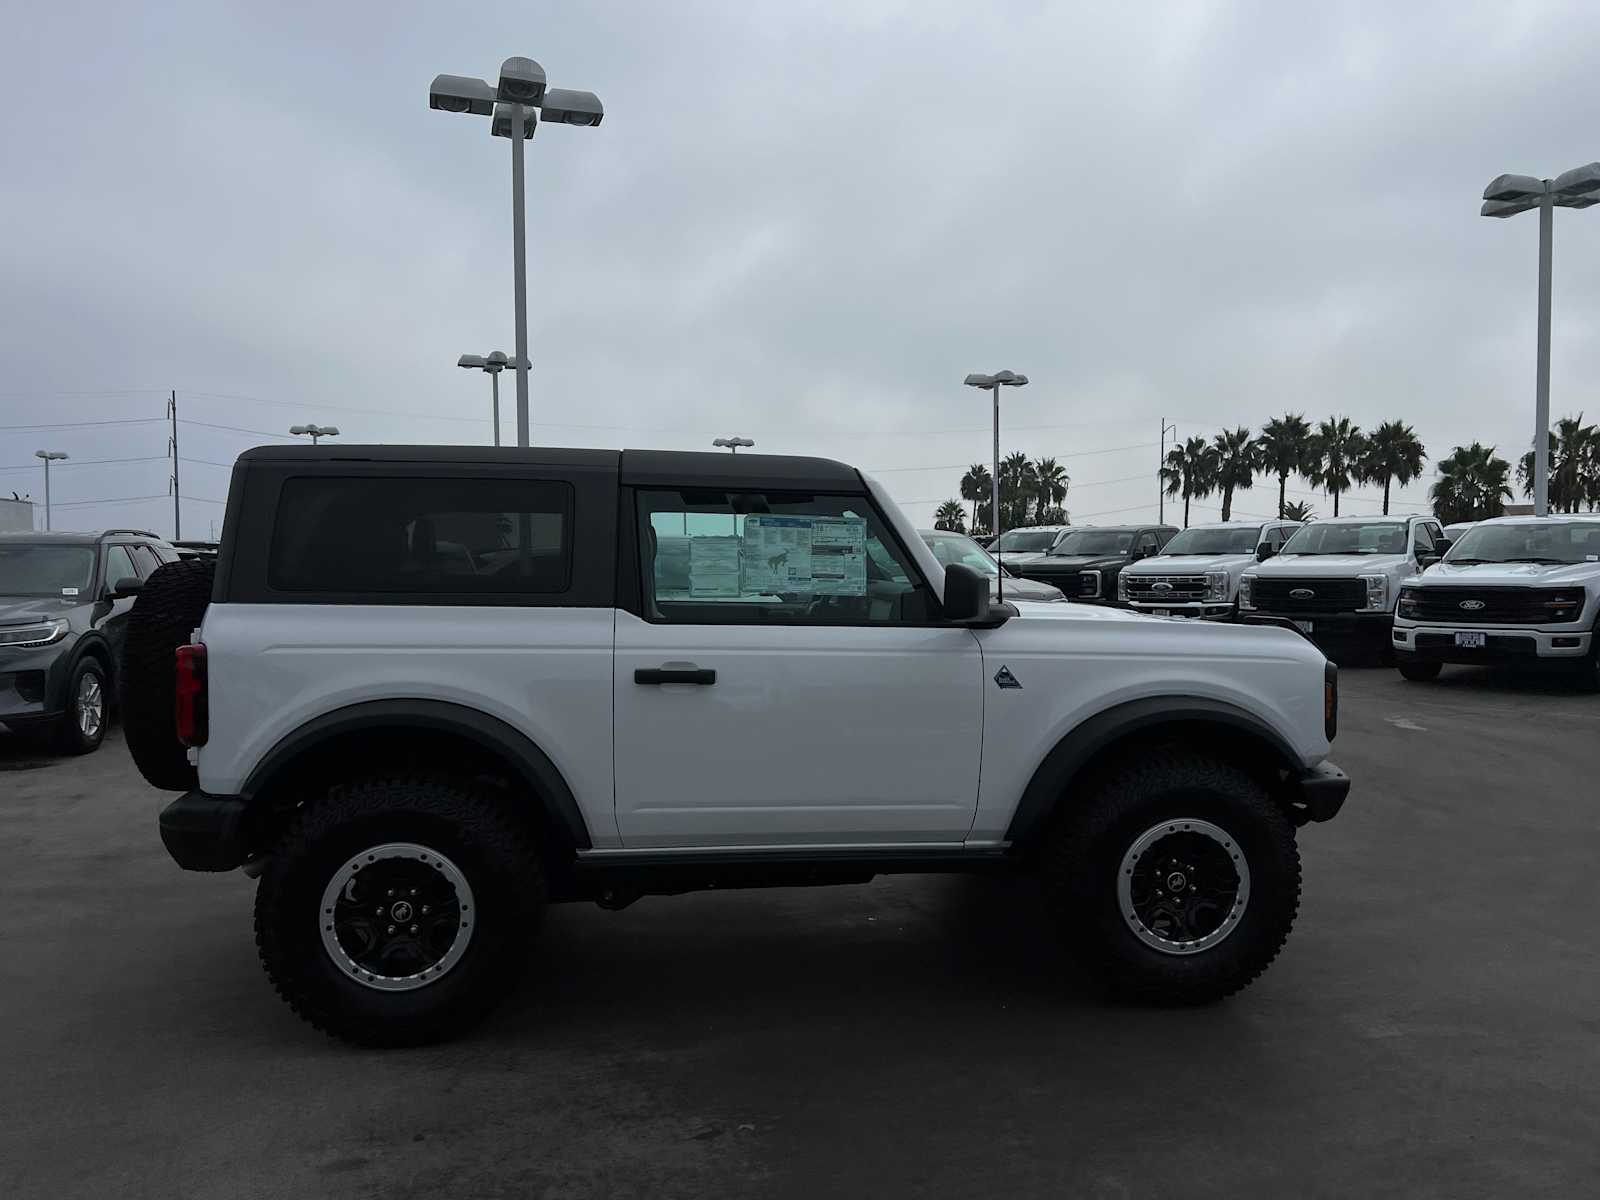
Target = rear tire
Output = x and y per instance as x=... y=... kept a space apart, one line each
x=87 y=709
x=1207 y=831
x=336 y=943
x=1419 y=672
x=169 y=608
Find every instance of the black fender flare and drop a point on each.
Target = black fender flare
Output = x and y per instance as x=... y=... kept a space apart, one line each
x=541 y=775
x=1081 y=744
x=93 y=641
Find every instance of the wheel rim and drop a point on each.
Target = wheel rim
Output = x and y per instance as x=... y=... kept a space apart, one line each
x=397 y=917
x=1183 y=886
x=91 y=705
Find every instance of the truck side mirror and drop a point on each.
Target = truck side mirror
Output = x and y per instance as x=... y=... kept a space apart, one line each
x=1442 y=545
x=966 y=594
x=125 y=588
x=1265 y=551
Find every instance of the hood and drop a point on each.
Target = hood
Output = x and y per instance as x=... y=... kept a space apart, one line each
x=1303 y=565
x=1029 y=610
x=1187 y=564
x=1076 y=562
x=24 y=610
x=1012 y=557
x=1551 y=574
x=1026 y=589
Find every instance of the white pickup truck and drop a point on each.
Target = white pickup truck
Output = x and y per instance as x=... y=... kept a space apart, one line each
x=1197 y=573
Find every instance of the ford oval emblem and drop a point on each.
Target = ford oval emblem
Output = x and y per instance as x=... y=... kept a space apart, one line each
x=1160 y=587
x=1302 y=594
x=1472 y=605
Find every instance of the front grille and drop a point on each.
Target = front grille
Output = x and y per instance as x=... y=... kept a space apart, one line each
x=1491 y=606
x=1273 y=593
x=1177 y=589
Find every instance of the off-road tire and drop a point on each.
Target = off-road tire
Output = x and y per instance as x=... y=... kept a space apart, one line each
x=1419 y=672
x=69 y=737
x=170 y=606
x=452 y=816
x=1084 y=856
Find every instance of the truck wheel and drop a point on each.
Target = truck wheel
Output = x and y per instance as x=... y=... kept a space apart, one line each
x=1178 y=881
x=1419 y=672
x=397 y=911
x=172 y=602
x=88 y=708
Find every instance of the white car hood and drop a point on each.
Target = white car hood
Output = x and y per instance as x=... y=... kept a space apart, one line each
x=1046 y=610
x=1012 y=557
x=1302 y=565
x=1575 y=574
x=1186 y=564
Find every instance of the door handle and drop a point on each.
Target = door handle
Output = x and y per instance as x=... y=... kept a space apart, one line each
x=655 y=675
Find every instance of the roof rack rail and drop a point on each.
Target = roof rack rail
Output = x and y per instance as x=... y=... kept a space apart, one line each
x=137 y=532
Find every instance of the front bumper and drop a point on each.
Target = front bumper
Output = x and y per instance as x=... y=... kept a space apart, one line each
x=1215 y=611
x=1316 y=794
x=203 y=832
x=1336 y=626
x=33 y=683
x=1502 y=643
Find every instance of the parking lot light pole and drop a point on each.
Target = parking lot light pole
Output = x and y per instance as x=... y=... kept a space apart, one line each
x=732 y=444
x=491 y=364
x=511 y=106
x=49 y=457
x=1506 y=196
x=314 y=432
x=1161 y=459
x=994 y=383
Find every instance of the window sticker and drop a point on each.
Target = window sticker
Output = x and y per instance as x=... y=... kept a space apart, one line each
x=839 y=556
x=777 y=555
x=713 y=566
x=69 y=591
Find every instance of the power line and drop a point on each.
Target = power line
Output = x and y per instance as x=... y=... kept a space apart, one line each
x=87 y=462
x=82 y=424
x=232 y=428
x=112 y=500
x=302 y=405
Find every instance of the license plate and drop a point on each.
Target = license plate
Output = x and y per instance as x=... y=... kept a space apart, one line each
x=1303 y=626
x=1160 y=612
x=1472 y=641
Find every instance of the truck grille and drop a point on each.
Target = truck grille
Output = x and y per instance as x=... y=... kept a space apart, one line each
x=1277 y=594
x=1158 y=589
x=1496 y=605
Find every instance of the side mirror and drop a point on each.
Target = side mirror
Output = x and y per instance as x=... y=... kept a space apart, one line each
x=124 y=588
x=966 y=594
x=1442 y=545
x=1265 y=551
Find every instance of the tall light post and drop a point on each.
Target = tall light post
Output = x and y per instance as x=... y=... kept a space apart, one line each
x=49 y=457
x=1161 y=465
x=732 y=444
x=492 y=364
x=1506 y=196
x=314 y=432
x=994 y=383
x=510 y=106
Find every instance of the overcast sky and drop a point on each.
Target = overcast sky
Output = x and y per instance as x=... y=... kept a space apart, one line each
x=802 y=223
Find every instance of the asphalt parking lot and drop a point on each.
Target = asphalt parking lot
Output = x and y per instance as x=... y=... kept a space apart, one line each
x=1430 y=1030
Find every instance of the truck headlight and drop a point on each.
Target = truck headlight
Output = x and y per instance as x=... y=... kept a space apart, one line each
x=1246 y=588
x=1407 y=604
x=1122 y=588
x=1377 y=592
x=44 y=633
x=1088 y=583
x=1216 y=587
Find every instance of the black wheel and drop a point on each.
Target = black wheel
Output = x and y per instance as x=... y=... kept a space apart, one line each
x=1418 y=672
x=83 y=723
x=398 y=911
x=1178 y=880
x=168 y=609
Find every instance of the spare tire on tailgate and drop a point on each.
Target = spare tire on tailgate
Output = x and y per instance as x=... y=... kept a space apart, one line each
x=170 y=606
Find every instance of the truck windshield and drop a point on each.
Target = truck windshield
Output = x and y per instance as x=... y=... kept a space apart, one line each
x=31 y=569
x=1349 y=537
x=1026 y=541
x=1528 y=541
x=958 y=548
x=1095 y=541
x=1214 y=541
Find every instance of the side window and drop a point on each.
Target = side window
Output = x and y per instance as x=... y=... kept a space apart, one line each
x=409 y=536
x=145 y=560
x=712 y=557
x=1421 y=539
x=1148 y=543
x=119 y=566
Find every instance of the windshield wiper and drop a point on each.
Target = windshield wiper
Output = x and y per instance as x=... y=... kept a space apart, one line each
x=1543 y=562
x=1470 y=562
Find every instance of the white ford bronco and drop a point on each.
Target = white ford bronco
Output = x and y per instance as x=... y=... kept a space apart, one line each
x=1197 y=573
x=1513 y=589
x=431 y=689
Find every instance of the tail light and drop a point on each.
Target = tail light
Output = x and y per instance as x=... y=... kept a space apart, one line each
x=1330 y=701
x=191 y=712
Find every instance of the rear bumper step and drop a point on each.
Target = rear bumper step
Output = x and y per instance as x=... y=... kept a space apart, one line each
x=203 y=832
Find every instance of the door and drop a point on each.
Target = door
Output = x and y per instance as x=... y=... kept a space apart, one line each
x=112 y=615
x=788 y=680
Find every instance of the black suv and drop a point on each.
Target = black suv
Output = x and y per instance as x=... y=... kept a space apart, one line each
x=64 y=601
x=1085 y=563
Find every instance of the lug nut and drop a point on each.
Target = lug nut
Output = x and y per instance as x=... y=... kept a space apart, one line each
x=391 y=891
x=413 y=891
x=424 y=910
x=413 y=929
x=391 y=929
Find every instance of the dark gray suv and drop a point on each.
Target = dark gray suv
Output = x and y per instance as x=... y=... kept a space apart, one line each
x=64 y=601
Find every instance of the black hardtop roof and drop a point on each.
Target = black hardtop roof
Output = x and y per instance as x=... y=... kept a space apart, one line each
x=642 y=468
x=62 y=537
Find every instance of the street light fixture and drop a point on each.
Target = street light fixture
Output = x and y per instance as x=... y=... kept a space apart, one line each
x=1506 y=196
x=314 y=432
x=732 y=444
x=994 y=383
x=49 y=457
x=492 y=364
x=510 y=106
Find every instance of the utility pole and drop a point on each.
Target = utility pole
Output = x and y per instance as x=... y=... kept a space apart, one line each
x=172 y=443
x=1161 y=463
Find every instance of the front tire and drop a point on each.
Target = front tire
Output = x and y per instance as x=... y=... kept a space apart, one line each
x=423 y=944
x=1419 y=672
x=88 y=709
x=1178 y=881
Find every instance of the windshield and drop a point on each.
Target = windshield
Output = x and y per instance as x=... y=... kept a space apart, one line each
x=956 y=548
x=1214 y=541
x=1095 y=541
x=1353 y=537
x=35 y=570
x=1026 y=541
x=1535 y=542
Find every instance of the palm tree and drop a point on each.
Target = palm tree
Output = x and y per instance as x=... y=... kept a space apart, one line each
x=1471 y=485
x=977 y=485
x=1283 y=450
x=1574 y=466
x=1393 y=453
x=1018 y=487
x=1191 y=472
x=1297 y=510
x=1336 y=453
x=1051 y=480
x=1236 y=463
x=952 y=515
